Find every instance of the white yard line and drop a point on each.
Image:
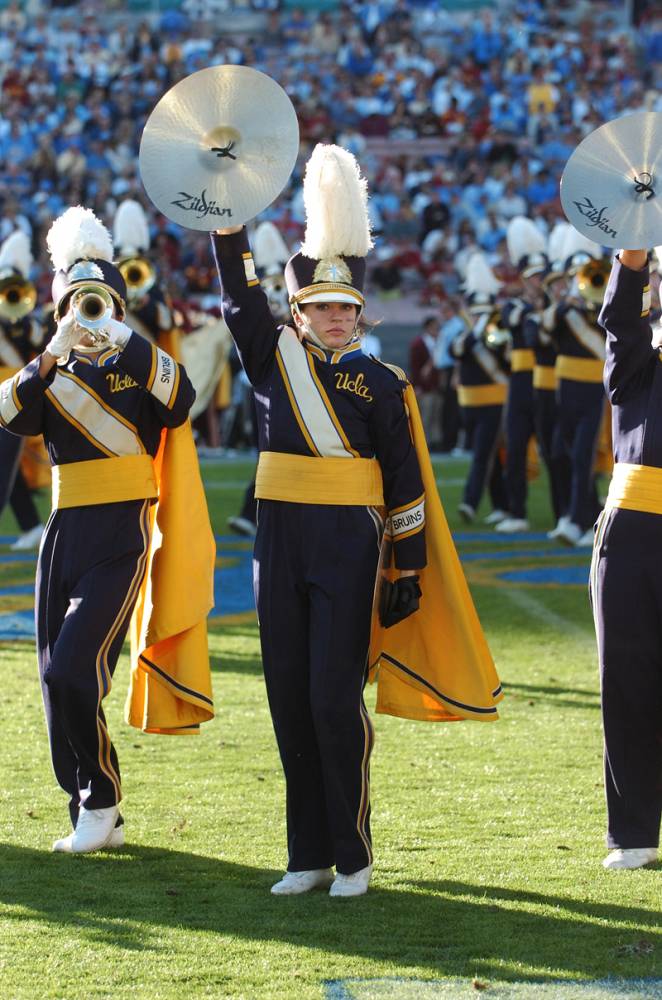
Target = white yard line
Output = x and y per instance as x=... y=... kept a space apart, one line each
x=537 y=609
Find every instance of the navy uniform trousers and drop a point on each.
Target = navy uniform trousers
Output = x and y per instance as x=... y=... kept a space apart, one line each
x=314 y=573
x=551 y=447
x=483 y=425
x=520 y=426
x=13 y=488
x=581 y=405
x=627 y=602
x=91 y=563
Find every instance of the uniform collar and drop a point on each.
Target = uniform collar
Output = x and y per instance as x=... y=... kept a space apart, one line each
x=107 y=357
x=346 y=353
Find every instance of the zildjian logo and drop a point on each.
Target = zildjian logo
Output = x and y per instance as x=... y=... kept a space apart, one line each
x=199 y=204
x=595 y=215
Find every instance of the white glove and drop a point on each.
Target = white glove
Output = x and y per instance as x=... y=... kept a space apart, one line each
x=118 y=333
x=65 y=338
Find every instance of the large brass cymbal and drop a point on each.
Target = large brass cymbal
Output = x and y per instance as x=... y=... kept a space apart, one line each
x=219 y=147
x=611 y=188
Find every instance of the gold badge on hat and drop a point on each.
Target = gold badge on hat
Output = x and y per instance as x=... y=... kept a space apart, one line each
x=333 y=269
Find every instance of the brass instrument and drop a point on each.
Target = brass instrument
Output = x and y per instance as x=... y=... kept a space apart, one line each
x=493 y=334
x=139 y=275
x=592 y=278
x=18 y=297
x=92 y=307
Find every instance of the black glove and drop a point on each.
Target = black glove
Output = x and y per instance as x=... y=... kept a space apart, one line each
x=398 y=600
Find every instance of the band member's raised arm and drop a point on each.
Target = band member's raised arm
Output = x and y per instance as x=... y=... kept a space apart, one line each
x=245 y=306
x=625 y=316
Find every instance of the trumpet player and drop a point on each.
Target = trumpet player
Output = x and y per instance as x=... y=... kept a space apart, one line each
x=526 y=248
x=21 y=336
x=625 y=571
x=580 y=392
x=100 y=395
x=482 y=354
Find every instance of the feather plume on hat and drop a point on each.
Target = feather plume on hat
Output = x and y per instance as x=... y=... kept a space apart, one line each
x=78 y=235
x=575 y=242
x=480 y=278
x=523 y=239
x=131 y=229
x=15 y=253
x=270 y=251
x=336 y=201
x=556 y=242
x=658 y=257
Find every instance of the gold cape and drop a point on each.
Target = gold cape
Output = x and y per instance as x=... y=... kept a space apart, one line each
x=434 y=665
x=170 y=686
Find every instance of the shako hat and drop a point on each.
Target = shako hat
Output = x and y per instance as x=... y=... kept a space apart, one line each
x=526 y=246
x=131 y=229
x=81 y=250
x=330 y=267
x=15 y=255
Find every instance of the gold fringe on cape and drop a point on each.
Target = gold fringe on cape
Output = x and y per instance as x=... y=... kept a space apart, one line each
x=170 y=687
x=435 y=665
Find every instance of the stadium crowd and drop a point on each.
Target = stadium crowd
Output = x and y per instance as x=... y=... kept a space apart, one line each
x=460 y=120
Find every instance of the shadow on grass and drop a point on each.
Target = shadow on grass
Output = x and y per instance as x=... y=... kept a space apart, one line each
x=226 y=655
x=554 y=694
x=128 y=898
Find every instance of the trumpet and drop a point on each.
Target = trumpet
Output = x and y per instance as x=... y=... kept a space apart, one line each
x=139 y=276
x=92 y=307
x=493 y=334
x=18 y=297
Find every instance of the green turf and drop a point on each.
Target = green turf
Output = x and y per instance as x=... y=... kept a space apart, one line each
x=488 y=837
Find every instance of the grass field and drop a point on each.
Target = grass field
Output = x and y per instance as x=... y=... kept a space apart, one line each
x=488 y=837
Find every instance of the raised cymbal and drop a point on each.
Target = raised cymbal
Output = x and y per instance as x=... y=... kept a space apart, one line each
x=219 y=147
x=611 y=188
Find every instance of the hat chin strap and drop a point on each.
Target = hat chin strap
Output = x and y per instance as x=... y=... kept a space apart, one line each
x=310 y=334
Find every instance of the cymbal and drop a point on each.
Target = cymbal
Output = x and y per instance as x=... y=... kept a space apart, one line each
x=219 y=147
x=611 y=188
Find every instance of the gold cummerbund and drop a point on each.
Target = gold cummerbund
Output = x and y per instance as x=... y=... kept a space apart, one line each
x=494 y=394
x=544 y=377
x=6 y=372
x=579 y=369
x=522 y=360
x=635 y=487
x=351 y=482
x=104 y=480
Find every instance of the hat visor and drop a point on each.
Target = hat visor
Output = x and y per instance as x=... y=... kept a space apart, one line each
x=338 y=293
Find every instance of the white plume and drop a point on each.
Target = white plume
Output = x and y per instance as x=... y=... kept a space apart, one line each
x=15 y=253
x=480 y=277
x=78 y=235
x=523 y=239
x=270 y=251
x=130 y=228
x=576 y=242
x=658 y=255
x=336 y=201
x=556 y=242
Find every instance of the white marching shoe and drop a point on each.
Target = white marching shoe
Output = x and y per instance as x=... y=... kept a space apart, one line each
x=355 y=884
x=95 y=829
x=29 y=540
x=569 y=534
x=560 y=525
x=630 y=857
x=496 y=517
x=511 y=525
x=586 y=541
x=242 y=526
x=294 y=883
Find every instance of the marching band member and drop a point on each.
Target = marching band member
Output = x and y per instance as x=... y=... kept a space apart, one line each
x=101 y=408
x=625 y=588
x=336 y=449
x=21 y=337
x=149 y=310
x=541 y=340
x=580 y=392
x=482 y=355
x=526 y=248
